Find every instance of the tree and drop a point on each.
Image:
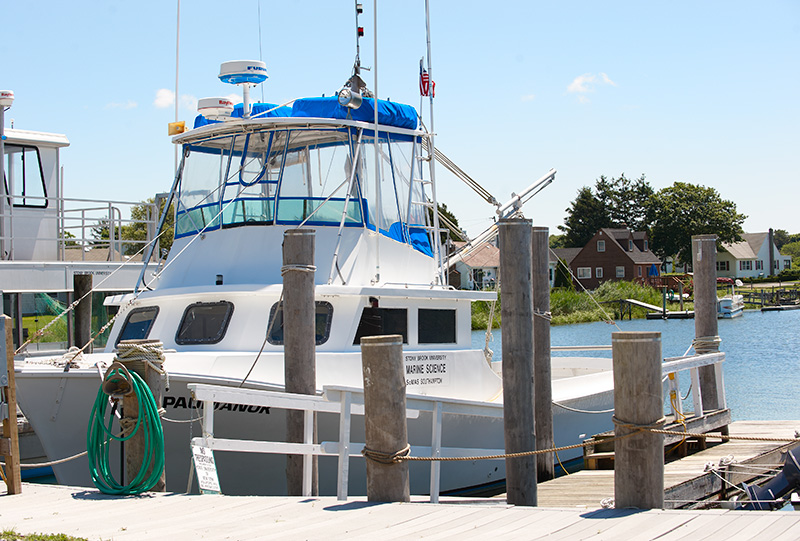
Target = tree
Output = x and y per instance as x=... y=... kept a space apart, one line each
x=557 y=241
x=445 y=214
x=136 y=229
x=627 y=201
x=585 y=216
x=617 y=202
x=682 y=210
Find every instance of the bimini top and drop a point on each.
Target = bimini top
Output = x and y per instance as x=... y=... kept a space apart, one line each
x=390 y=113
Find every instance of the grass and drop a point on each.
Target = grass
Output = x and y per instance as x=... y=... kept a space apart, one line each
x=568 y=306
x=11 y=535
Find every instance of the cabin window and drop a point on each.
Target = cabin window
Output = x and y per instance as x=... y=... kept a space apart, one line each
x=322 y=323
x=24 y=179
x=436 y=326
x=584 y=273
x=620 y=272
x=381 y=321
x=204 y=323
x=138 y=324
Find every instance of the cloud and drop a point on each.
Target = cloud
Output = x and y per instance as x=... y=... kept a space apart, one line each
x=583 y=84
x=164 y=98
x=528 y=97
x=130 y=104
x=188 y=102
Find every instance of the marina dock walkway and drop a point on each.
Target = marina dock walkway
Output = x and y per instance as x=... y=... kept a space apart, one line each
x=569 y=509
x=684 y=479
x=92 y=515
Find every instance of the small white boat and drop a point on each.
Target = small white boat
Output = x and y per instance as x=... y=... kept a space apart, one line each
x=730 y=306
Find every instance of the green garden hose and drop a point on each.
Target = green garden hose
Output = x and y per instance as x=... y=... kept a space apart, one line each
x=99 y=435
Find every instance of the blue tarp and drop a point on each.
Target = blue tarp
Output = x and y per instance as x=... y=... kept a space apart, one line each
x=398 y=115
x=389 y=113
x=258 y=108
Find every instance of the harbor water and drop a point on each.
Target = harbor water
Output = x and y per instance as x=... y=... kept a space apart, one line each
x=762 y=356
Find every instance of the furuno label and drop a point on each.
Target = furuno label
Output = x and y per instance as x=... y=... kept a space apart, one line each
x=427 y=369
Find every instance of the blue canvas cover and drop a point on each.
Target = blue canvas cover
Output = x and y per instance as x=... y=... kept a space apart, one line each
x=398 y=115
x=258 y=109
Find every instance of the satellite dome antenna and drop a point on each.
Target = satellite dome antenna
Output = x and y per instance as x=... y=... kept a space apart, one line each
x=245 y=73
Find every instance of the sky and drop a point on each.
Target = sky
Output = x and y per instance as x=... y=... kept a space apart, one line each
x=700 y=92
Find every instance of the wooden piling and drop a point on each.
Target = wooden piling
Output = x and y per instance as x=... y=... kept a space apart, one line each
x=518 y=384
x=81 y=285
x=386 y=432
x=9 y=444
x=638 y=401
x=704 y=263
x=299 y=330
x=136 y=446
x=543 y=388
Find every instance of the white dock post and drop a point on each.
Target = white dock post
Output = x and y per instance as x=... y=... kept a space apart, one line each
x=638 y=401
x=299 y=347
x=543 y=388
x=518 y=376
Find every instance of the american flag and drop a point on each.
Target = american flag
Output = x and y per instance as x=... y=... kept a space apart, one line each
x=426 y=86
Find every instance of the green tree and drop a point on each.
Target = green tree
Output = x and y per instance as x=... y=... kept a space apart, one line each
x=557 y=241
x=781 y=237
x=682 y=210
x=585 y=216
x=562 y=277
x=791 y=249
x=627 y=201
x=456 y=233
x=136 y=229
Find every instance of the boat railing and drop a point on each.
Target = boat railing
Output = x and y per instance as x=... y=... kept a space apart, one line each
x=345 y=401
x=673 y=365
x=75 y=229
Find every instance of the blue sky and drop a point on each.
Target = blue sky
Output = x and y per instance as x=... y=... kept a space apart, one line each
x=700 y=92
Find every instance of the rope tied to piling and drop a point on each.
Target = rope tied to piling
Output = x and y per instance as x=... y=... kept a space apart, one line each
x=546 y=315
x=386 y=458
x=297 y=268
x=706 y=344
x=137 y=354
x=655 y=425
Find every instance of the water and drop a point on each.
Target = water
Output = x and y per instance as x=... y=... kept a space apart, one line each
x=762 y=356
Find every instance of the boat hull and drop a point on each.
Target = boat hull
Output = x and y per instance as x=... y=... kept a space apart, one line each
x=62 y=430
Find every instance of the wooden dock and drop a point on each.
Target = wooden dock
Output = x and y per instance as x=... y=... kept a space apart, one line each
x=685 y=480
x=92 y=515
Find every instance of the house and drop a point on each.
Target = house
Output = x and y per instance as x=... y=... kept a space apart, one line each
x=754 y=256
x=478 y=268
x=615 y=254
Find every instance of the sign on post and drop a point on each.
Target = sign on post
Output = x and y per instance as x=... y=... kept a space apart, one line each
x=206 y=470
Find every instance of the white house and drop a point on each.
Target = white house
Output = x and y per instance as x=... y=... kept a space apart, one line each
x=755 y=256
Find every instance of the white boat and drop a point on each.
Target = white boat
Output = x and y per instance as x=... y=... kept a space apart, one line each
x=241 y=184
x=730 y=306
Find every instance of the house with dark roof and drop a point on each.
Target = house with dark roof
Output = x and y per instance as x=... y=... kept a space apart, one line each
x=615 y=254
x=755 y=255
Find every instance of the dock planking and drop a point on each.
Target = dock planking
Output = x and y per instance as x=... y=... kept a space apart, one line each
x=569 y=509
x=684 y=479
x=92 y=515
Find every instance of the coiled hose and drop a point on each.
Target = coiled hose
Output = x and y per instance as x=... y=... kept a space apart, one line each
x=99 y=435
